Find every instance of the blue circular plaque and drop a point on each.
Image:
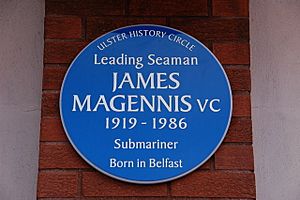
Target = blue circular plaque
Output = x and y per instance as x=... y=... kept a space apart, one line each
x=145 y=104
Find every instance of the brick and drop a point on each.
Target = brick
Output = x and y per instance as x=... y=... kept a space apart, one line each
x=132 y=198
x=168 y=8
x=239 y=78
x=59 y=156
x=63 y=21
x=57 y=184
x=96 y=184
x=214 y=29
x=53 y=77
x=52 y=130
x=208 y=44
x=85 y=7
x=240 y=130
x=97 y=26
x=234 y=157
x=230 y=8
x=241 y=106
x=76 y=198
x=140 y=198
x=206 y=165
x=232 y=53
x=215 y=184
x=62 y=51
x=63 y=27
x=50 y=104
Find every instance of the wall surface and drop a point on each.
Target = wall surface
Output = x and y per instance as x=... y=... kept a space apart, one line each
x=275 y=74
x=275 y=70
x=21 y=51
x=222 y=25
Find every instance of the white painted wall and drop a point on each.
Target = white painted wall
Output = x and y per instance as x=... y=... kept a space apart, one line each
x=21 y=51
x=275 y=70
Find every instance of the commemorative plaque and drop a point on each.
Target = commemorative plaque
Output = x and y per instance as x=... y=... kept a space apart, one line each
x=145 y=104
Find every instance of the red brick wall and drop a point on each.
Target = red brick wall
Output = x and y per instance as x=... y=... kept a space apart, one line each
x=223 y=25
